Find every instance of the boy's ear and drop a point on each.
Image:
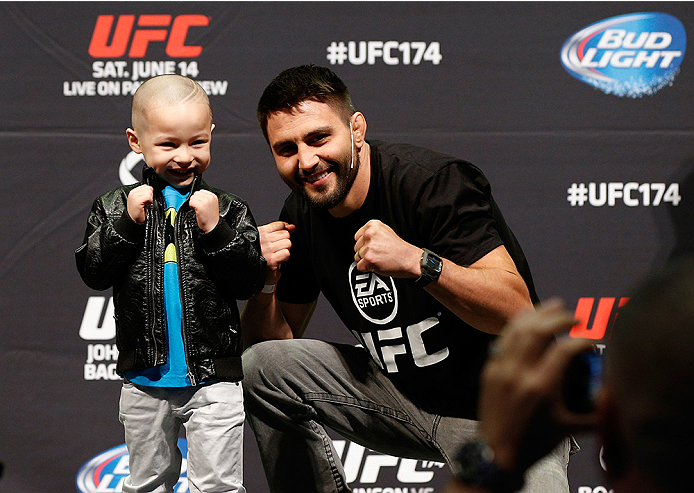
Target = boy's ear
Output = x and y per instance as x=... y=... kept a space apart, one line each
x=133 y=140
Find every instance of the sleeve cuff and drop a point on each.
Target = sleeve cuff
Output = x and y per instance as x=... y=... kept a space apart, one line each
x=129 y=229
x=219 y=237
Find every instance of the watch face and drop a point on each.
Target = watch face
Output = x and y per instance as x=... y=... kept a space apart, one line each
x=433 y=263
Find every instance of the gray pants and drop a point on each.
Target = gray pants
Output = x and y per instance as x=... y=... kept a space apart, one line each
x=213 y=416
x=294 y=388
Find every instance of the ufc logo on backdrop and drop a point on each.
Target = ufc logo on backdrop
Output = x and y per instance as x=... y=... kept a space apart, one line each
x=603 y=317
x=150 y=28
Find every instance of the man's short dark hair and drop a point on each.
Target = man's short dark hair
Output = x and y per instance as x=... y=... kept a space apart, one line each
x=304 y=83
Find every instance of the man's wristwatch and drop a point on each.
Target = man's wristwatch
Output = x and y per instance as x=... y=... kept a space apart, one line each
x=431 y=268
x=474 y=465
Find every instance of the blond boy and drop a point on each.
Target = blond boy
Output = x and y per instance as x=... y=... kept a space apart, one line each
x=178 y=254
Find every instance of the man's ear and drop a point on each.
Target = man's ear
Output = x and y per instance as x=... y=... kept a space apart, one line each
x=133 y=140
x=358 y=128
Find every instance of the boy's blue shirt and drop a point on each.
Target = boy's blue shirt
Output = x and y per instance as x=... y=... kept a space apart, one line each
x=174 y=373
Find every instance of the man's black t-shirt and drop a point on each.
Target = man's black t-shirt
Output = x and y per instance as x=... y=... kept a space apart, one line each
x=433 y=201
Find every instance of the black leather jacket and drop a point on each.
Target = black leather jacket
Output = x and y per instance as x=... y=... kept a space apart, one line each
x=215 y=269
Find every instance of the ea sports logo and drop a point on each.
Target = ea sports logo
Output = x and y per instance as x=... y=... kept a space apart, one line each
x=374 y=296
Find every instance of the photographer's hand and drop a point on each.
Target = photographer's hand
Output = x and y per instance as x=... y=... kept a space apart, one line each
x=522 y=411
x=521 y=405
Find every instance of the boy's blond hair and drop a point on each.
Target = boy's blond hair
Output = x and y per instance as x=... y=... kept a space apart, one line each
x=165 y=90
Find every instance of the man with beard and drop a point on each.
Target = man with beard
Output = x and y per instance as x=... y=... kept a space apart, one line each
x=413 y=254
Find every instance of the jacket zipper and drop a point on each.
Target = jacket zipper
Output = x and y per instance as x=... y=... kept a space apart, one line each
x=181 y=291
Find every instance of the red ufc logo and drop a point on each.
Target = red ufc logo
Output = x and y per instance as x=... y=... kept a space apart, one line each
x=604 y=317
x=157 y=29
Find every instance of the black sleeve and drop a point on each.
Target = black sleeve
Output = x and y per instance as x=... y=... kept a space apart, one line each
x=298 y=282
x=110 y=246
x=232 y=251
x=455 y=214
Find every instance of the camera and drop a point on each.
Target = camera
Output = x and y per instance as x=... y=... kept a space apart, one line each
x=582 y=382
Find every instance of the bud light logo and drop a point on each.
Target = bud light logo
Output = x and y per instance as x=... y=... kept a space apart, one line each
x=629 y=56
x=107 y=471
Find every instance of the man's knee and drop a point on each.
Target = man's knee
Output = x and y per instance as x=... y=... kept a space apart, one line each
x=286 y=366
x=262 y=360
x=275 y=365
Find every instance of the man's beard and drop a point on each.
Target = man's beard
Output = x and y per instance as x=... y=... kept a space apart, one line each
x=345 y=175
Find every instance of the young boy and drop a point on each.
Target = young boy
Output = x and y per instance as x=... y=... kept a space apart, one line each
x=178 y=255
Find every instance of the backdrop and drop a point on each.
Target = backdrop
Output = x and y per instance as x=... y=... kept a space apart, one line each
x=580 y=114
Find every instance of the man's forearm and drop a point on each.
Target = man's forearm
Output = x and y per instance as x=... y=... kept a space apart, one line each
x=262 y=320
x=484 y=297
